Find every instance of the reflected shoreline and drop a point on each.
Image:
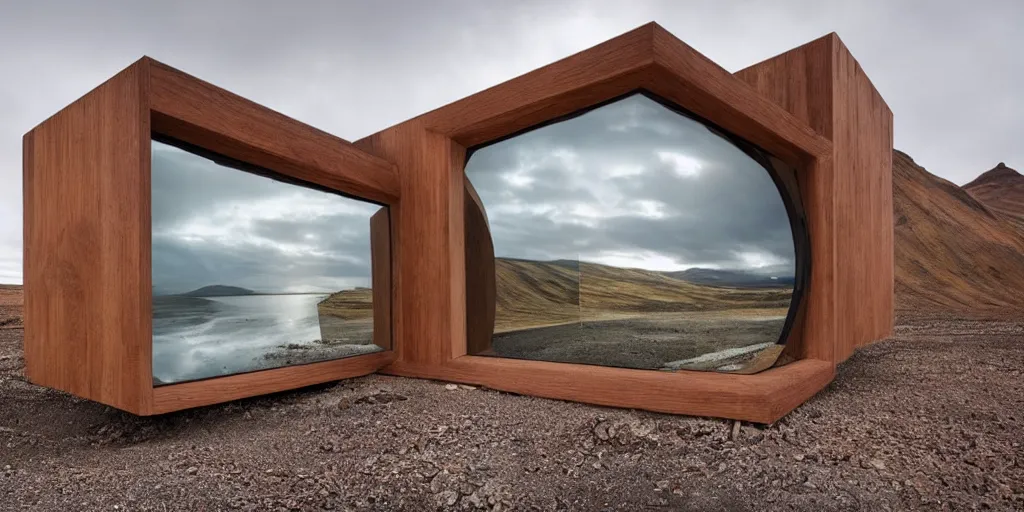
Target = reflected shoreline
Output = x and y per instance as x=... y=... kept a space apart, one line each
x=200 y=337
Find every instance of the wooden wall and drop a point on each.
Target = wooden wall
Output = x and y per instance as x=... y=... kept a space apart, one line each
x=380 y=277
x=88 y=307
x=429 y=313
x=481 y=277
x=87 y=259
x=822 y=84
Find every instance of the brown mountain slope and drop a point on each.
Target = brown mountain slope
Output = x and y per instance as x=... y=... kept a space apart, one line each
x=953 y=253
x=1002 y=190
x=535 y=293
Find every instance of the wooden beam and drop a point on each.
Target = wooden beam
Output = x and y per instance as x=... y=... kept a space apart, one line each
x=194 y=111
x=186 y=395
x=762 y=398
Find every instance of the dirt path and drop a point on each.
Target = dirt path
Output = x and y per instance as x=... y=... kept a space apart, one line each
x=931 y=421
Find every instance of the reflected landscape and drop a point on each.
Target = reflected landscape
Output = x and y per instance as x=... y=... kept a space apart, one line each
x=636 y=237
x=250 y=273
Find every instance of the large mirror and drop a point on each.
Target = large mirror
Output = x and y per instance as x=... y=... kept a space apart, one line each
x=633 y=235
x=252 y=272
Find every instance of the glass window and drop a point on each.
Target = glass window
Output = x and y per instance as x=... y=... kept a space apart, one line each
x=635 y=236
x=250 y=272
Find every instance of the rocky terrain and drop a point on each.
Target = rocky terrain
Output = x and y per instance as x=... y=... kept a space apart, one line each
x=928 y=420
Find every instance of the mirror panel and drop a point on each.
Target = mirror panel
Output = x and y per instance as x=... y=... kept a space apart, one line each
x=252 y=272
x=635 y=236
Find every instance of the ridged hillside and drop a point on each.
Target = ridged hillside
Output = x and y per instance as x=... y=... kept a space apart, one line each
x=1002 y=190
x=534 y=293
x=954 y=254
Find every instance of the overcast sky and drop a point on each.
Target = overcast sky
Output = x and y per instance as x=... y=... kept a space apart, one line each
x=635 y=185
x=215 y=225
x=950 y=70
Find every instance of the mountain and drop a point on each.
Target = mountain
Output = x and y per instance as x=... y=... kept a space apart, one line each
x=534 y=293
x=954 y=253
x=730 y=278
x=218 y=290
x=1002 y=190
x=958 y=251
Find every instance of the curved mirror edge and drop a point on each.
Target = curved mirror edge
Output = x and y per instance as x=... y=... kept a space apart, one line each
x=607 y=330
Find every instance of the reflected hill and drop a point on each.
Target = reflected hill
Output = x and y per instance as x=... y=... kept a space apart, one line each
x=219 y=290
x=538 y=293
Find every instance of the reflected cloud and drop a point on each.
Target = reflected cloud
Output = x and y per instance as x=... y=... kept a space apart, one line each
x=213 y=225
x=251 y=273
x=638 y=181
x=633 y=236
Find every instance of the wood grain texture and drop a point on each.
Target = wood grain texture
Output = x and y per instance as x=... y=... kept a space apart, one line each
x=200 y=113
x=87 y=261
x=481 y=279
x=441 y=319
x=864 y=207
x=88 y=318
x=761 y=398
x=581 y=80
x=694 y=82
x=196 y=112
x=380 y=272
x=645 y=58
x=222 y=389
x=429 y=261
x=852 y=229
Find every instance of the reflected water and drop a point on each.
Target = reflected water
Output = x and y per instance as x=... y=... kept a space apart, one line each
x=251 y=273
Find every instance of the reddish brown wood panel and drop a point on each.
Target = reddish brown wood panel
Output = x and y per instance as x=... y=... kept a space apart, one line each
x=87 y=259
x=194 y=111
x=864 y=206
x=430 y=262
x=88 y=319
x=380 y=271
x=696 y=83
x=222 y=389
x=821 y=83
x=481 y=283
x=763 y=398
x=648 y=57
x=437 y=318
x=793 y=78
x=581 y=80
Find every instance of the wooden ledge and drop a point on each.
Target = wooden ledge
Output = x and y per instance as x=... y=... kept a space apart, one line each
x=760 y=398
x=175 y=397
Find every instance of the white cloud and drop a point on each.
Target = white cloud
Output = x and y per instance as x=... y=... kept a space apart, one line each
x=685 y=166
x=352 y=68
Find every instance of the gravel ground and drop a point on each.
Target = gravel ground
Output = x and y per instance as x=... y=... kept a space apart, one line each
x=933 y=420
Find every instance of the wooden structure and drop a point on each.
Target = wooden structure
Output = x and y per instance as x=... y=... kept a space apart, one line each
x=87 y=316
x=88 y=305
